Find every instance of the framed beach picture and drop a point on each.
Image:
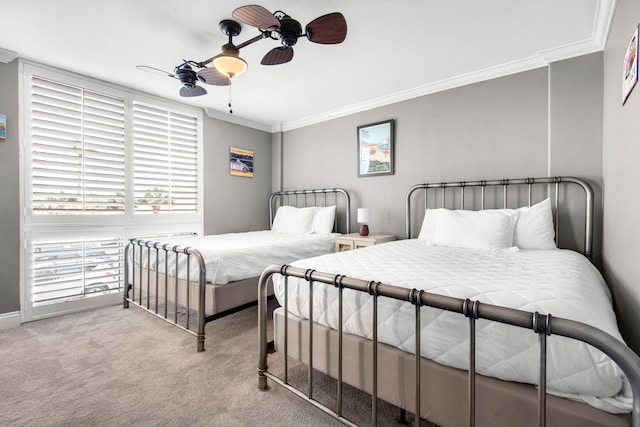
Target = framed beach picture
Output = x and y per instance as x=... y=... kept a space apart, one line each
x=241 y=162
x=375 y=149
x=630 y=67
x=3 y=126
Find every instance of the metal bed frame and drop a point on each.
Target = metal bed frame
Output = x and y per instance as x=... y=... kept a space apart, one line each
x=152 y=283
x=543 y=325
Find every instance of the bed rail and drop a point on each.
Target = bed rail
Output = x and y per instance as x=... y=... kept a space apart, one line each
x=549 y=185
x=151 y=285
x=543 y=325
x=315 y=197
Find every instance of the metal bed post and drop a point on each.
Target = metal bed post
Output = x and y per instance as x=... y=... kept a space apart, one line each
x=286 y=325
x=188 y=287
x=125 y=301
x=155 y=246
x=372 y=289
x=470 y=310
x=337 y=282
x=308 y=278
x=147 y=243
x=415 y=297
x=166 y=278
x=175 y=287
x=202 y=280
x=542 y=326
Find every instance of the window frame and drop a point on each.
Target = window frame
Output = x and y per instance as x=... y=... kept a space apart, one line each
x=130 y=224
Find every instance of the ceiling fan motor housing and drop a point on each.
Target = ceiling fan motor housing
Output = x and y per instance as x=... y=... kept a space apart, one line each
x=290 y=29
x=187 y=76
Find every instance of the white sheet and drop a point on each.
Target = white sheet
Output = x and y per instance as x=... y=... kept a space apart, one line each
x=237 y=256
x=561 y=282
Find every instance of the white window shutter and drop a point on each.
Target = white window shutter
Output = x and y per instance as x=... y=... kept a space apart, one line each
x=166 y=160
x=77 y=143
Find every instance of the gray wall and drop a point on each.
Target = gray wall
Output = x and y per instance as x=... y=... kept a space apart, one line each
x=230 y=203
x=233 y=203
x=523 y=125
x=621 y=235
x=9 y=192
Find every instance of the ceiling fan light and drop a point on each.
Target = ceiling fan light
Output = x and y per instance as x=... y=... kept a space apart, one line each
x=230 y=65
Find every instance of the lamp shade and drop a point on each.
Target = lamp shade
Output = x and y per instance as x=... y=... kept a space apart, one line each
x=230 y=65
x=363 y=215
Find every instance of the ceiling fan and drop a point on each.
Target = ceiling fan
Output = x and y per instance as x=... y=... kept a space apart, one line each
x=327 y=29
x=189 y=78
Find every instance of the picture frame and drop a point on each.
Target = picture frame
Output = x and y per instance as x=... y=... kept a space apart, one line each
x=240 y=162
x=3 y=126
x=376 y=148
x=630 y=67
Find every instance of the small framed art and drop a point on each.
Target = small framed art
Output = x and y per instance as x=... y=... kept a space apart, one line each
x=241 y=162
x=630 y=68
x=375 y=149
x=3 y=126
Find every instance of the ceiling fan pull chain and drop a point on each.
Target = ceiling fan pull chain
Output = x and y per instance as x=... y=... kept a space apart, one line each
x=230 y=110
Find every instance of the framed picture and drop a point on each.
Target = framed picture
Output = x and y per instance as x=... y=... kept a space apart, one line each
x=630 y=68
x=375 y=149
x=3 y=126
x=241 y=162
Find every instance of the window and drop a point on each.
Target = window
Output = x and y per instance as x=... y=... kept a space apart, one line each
x=77 y=149
x=166 y=160
x=99 y=162
x=66 y=268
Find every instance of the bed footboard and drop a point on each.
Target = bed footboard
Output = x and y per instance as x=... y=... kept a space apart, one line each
x=161 y=294
x=543 y=325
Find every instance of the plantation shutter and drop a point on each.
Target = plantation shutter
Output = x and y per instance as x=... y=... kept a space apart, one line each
x=166 y=160
x=77 y=143
x=64 y=268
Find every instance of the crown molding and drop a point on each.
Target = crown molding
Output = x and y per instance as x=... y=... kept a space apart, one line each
x=543 y=58
x=439 y=86
x=7 y=56
x=602 y=24
x=597 y=42
x=215 y=114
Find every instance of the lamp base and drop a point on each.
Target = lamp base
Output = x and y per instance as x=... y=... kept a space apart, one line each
x=364 y=230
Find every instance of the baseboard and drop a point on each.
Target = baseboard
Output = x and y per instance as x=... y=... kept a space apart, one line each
x=9 y=320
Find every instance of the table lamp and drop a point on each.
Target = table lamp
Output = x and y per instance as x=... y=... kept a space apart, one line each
x=363 y=219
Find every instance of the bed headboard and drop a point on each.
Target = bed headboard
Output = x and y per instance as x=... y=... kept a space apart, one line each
x=316 y=197
x=568 y=207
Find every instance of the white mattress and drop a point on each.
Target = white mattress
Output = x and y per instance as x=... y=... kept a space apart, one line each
x=237 y=256
x=561 y=282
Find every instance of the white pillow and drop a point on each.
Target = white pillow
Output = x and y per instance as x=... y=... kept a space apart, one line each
x=487 y=229
x=324 y=219
x=290 y=219
x=428 y=229
x=534 y=228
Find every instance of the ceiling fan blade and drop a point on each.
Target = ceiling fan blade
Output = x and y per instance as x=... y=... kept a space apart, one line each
x=192 y=91
x=211 y=76
x=154 y=70
x=278 y=55
x=256 y=16
x=327 y=29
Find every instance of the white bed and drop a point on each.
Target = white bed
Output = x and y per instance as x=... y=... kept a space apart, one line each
x=500 y=264
x=207 y=277
x=561 y=282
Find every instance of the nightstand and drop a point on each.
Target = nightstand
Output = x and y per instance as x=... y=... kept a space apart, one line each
x=346 y=242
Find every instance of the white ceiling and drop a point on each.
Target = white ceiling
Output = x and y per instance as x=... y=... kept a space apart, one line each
x=394 y=50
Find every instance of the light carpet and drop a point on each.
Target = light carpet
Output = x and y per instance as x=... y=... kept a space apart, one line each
x=119 y=367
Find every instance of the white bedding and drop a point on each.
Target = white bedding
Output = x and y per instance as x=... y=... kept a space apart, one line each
x=560 y=282
x=237 y=256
